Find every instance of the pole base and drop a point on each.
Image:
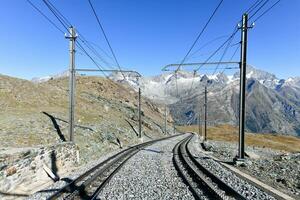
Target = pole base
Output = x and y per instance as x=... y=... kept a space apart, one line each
x=239 y=161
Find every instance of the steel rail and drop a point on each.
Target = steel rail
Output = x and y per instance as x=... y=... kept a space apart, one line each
x=83 y=193
x=221 y=184
x=210 y=184
x=73 y=185
x=105 y=182
x=180 y=170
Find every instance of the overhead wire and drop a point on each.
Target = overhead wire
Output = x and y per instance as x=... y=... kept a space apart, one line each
x=65 y=23
x=105 y=36
x=93 y=50
x=45 y=16
x=58 y=17
x=101 y=49
x=225 y=51
x=235 y=51
x=201 y=32
x=229 y=40
x=64 y=19
x=254 y=6
x=88 y=55
x=196 y=40
x=266 y=11
x=206 y=44
x=258 y=9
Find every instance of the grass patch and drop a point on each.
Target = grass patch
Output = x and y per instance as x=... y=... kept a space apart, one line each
x=230 y=134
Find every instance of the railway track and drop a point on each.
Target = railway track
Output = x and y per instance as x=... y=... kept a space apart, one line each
x=90 y=184
x=202 y=183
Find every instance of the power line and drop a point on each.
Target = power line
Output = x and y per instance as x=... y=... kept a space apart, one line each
x=218 y=49
x=229 y=40
x=235 y=51
x=64 y=19
x=87 y=54
x=225 y=51
x=228 y=45
x=50 y=7
x=266 y=11
x=199 y=35
x=196 y=40
x=206 y=44
x=102 y=29
x=258 y=9
x=65 y=23
x=95 y=45
x=45 y=16
x=254 y=6
x=93 y=50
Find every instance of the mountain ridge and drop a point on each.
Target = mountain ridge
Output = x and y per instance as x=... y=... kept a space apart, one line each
x=272 y=103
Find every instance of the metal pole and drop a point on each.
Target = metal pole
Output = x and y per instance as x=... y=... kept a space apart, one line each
x=72 y=38
x=165 y=118
x=243 y=64
x=205 y=113
x=199 y=122
x=140 y=116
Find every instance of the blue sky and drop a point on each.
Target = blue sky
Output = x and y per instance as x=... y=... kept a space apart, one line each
x=146 y=35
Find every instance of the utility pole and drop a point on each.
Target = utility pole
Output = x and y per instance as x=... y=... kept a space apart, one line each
x=205 y=113
x=243 y=65
x=140 y=116
x=199 y=122
x=72 y=37
x=165 y=118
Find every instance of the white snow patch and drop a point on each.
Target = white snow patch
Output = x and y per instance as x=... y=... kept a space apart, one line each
x=249 y=74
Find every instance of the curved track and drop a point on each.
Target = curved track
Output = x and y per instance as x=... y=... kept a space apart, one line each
x=89 y=184
x=202 y=183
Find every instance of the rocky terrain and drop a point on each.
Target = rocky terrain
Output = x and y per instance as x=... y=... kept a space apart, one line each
x=35 y=114
x=272 y=104
x=276 y=168
x=26 y=170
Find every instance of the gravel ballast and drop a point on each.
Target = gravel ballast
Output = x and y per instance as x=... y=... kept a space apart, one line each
x=150 y=174
x=278 y=169
x=243 y=187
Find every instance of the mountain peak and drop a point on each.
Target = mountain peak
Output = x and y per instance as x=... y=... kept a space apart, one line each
x=50 y=77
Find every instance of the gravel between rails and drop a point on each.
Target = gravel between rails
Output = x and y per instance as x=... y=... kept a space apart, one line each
x=150 y=174
x=245 y=188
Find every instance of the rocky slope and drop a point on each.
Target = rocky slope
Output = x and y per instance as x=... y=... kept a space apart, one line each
x=36 y=114
x=272 y=105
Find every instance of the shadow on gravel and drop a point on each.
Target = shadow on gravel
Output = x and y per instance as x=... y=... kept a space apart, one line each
x=71 y=188
x=49 y=190
x=13 y=194
x=152 y=150
x=203 y=146
x=228 y=162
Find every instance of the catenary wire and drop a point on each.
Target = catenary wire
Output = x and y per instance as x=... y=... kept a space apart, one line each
x=106 y=38
x=194 y=43
x=45 y=16
x=266 y=11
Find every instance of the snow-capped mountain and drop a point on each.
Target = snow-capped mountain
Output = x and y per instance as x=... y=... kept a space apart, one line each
x=273 y=104
x=47 y=78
